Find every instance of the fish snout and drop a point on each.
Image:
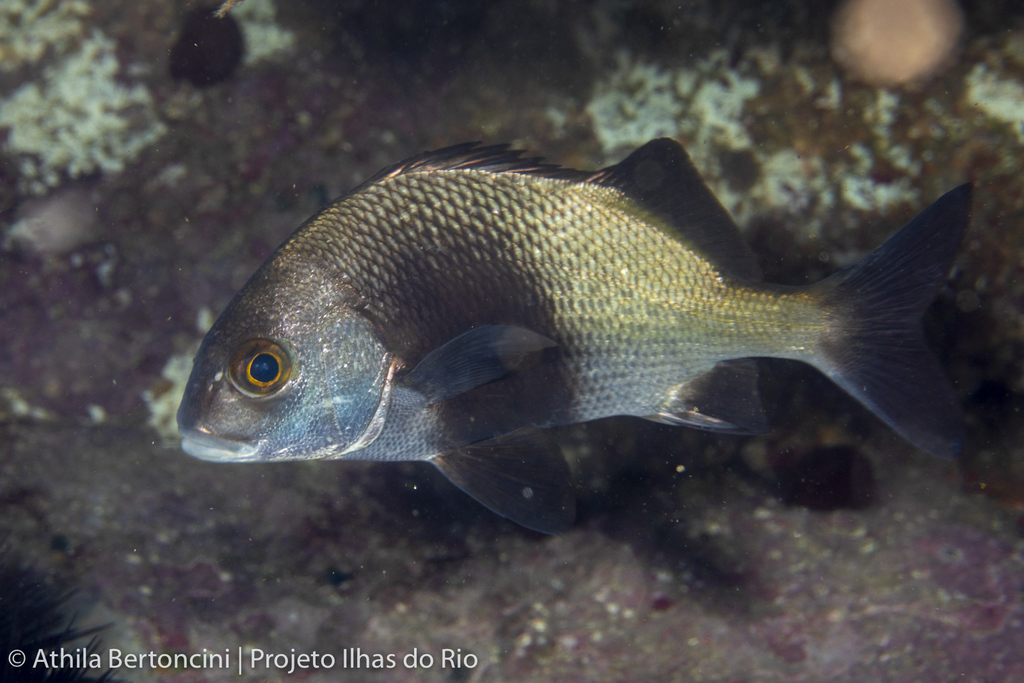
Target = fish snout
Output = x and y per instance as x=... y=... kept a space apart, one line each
x=199 y=443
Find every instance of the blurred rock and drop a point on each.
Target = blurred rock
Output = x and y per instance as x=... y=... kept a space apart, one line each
x=53 y=225
x=894 y=42
x=208 y=49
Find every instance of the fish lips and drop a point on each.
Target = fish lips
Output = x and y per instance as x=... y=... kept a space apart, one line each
x=215 y=449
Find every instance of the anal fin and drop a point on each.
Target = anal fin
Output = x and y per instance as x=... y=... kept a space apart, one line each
x=724 y=399
x=520 y=476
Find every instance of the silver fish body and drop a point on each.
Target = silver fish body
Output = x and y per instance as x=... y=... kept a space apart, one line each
x=458 y=299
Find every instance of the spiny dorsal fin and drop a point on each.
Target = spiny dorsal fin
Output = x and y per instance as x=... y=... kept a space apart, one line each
x=474 y=156
x=658 y=176
x=661 y=178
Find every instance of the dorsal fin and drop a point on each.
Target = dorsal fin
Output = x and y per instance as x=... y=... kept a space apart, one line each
x=661 y=178
x=473 y=156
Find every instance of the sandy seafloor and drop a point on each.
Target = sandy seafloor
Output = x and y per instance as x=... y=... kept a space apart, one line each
x=134 y=205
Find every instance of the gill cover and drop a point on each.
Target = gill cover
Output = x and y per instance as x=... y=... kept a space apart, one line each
x=357 y=378
x=290 y=371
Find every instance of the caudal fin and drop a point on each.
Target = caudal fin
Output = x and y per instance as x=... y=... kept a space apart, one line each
x=879 y=355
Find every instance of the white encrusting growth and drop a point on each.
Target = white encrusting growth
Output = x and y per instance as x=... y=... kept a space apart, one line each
x=78 y=118
x=999 y=98
x=712 y=107
x=163 y=401
x=30 y=29
x=264 y=39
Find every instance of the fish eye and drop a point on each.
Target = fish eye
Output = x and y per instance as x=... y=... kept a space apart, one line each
x=259 y=367
x=264 y=368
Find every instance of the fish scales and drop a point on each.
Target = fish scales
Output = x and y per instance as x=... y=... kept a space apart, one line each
x=595 y=266
x=461 y=297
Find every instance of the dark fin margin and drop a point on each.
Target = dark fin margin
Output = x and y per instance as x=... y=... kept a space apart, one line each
x=879 y=354
x=521 y=476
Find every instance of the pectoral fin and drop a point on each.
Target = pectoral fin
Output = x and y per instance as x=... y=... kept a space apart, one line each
x=472 y=359
x=723 y=399
x=519 y=476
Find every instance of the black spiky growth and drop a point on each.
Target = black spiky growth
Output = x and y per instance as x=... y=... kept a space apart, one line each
x=33 y=617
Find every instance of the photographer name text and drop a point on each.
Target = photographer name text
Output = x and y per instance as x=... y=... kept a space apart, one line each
x=242 y=660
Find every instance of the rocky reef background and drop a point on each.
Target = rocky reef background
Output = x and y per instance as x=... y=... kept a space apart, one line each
x=152 y=159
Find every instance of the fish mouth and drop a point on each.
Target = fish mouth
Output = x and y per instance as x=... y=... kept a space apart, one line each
x=215 y=449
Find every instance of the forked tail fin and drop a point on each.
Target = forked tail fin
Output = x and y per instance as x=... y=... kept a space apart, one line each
x=878 y=353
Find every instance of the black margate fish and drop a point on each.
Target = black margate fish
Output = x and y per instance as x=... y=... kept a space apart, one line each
x=457 y=301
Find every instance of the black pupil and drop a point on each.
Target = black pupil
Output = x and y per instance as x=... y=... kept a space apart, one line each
x=264 y=368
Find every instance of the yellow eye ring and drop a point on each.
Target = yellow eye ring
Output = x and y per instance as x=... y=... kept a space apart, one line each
x=259 y=367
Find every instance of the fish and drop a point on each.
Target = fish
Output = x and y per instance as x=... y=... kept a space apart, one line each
x=458 y=304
